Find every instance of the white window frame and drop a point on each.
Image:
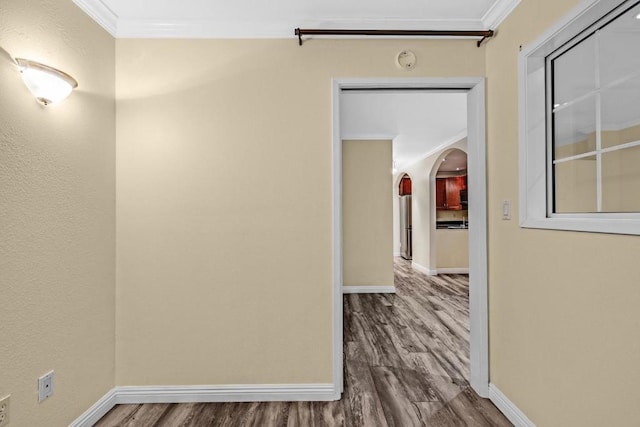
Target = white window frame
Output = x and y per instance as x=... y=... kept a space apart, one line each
x=535 y=184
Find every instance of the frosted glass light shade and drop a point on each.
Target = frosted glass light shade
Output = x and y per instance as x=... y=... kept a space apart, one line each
x=47 y=84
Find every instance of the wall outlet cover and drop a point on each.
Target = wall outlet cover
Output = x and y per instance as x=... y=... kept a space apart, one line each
x=45 y=386
x=4 y=411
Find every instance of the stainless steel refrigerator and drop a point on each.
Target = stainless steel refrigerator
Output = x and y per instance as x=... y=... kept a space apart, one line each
x=405 y=227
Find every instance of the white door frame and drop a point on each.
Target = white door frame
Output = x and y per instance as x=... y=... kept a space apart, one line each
x=477 y=167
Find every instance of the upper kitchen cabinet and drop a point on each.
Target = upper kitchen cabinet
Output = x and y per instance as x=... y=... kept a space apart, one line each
x=405 y=186
x=450 y=193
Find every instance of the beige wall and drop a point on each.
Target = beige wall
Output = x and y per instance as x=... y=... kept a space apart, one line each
x=367 y=213
x=57 y=215
x=452 y=248
x=224 y=222
x=621 y=180
x=576 y=186
x=576 y=180
x=563 y=305
x=224 y=202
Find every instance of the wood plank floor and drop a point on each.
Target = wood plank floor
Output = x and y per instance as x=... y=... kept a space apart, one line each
x=406 y=364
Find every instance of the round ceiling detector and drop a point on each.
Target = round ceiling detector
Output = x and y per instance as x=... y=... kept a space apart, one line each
x=406 y=59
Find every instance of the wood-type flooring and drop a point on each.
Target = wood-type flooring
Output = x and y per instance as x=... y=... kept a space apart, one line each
x=406 y=364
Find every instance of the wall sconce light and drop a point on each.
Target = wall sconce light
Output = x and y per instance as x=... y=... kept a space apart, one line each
x=47 y=84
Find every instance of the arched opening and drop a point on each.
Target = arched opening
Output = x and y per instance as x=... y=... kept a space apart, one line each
x=405 y=217
x=448 y=237
x=404 y=188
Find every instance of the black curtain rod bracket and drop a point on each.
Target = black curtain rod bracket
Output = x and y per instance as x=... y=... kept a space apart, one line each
x=483 y=34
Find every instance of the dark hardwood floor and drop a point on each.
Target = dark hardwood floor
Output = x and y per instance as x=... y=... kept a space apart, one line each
x=406 y=364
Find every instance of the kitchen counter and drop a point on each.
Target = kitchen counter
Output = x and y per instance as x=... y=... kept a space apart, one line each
x=457 y=225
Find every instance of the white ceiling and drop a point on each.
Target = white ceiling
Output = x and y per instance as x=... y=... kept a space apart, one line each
x=419 y=122
x=456 y=161
x=278 y=18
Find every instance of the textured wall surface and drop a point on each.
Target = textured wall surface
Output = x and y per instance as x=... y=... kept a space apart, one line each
x=367 y=213
x=564 y=316
x=224 y=202
x=57 y=215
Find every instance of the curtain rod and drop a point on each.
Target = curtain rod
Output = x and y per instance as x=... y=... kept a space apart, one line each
x=483 y=34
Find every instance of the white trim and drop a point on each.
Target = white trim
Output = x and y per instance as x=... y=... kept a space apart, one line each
x=97 y=411
x=576 y=157
x=368 y=137
x=422 y=269
x=215 y=28
x=500 y=10
x=533 y=181
x=369 y=289
x=601 y=150
x=452 y=271
x=508 y=408
x=101 y=13
x=478 y=242
x=476 y=141
x=205 y=394
x=227 y=393
x=338 y=305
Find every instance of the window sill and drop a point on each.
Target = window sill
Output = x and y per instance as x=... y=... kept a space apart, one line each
x=627 y=226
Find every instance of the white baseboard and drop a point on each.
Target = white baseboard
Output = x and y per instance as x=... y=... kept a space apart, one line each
x=228 y=393
x=206 y=393
x=423 y=269
x=452 y=271
x=97 y=411
x=369 y=289
x=508 y=408
x=397 y=254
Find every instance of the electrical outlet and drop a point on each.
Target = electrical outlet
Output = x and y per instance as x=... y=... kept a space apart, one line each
x=45 y=386
x=4 y=411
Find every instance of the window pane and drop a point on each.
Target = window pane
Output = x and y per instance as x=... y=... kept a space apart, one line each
x=621 y=180
x=575 y=129
x=574 y=72
x=621 y=113
x=575 y=186
x=620 y=47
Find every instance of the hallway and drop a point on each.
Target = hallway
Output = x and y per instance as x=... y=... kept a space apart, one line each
x=406 y=364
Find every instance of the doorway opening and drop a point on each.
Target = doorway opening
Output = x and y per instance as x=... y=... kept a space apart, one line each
x=474 y=88
x=405 y=216
x=450 y=238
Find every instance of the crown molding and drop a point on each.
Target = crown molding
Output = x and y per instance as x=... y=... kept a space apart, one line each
x=498 y=13
x=209 y=28
x=128 y=28
x=101 y=13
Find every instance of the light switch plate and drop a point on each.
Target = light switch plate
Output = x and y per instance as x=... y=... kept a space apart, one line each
x=506 y=210
x=45 y=386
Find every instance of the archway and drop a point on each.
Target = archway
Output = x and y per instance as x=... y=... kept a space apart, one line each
x=405 y=217
x=449 y=210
